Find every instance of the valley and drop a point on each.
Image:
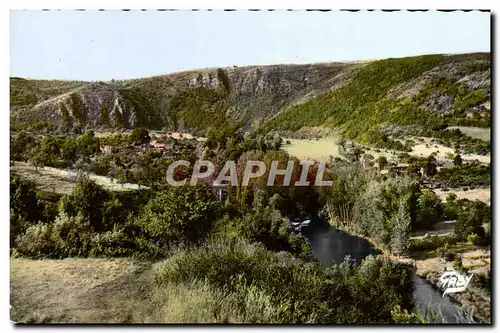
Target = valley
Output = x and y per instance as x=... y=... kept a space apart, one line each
x=98 y=235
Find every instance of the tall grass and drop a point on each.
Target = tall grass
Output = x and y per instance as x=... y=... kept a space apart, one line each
x=234 y=281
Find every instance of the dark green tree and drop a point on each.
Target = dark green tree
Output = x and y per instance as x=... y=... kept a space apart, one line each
x=87 y=198
x=140 y=135
x=179 y=214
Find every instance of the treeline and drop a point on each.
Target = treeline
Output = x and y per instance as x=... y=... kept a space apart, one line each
x=387 y=208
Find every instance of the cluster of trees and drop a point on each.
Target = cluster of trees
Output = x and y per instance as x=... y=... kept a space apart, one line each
x=464 y=175
x=473 y=220
x=385 y=209
x=53 y=150
x=456 y=139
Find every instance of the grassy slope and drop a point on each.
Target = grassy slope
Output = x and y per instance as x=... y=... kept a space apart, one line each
x=358 y=105
x=362 y=105
x=78 y=290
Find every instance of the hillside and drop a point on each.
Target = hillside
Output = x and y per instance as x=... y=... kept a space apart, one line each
x=362 y=99
x=190 y=100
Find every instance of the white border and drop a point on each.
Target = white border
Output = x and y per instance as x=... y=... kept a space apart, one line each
x=186 y=4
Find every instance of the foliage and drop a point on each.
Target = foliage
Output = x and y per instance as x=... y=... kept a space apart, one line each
x=179 y=214
x=400 y=238
x=429 y=243
x=471 y=218
x=87 y=199
x=359 y=106
x=465 y=175
x=139 y=135
x=429 y=210
x=311 y=294
x=446 y=252
x=383 y=210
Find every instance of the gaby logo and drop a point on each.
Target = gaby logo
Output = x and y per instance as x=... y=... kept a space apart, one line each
x=454 y=282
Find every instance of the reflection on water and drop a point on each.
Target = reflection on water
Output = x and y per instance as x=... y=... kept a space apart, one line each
x=332 y=245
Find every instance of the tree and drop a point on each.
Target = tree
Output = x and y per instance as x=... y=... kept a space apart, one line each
x=140 y=134
x=457 y=160
x=341 y=142
x=179 y=214
x=50 y=149
x=21 y=145
x=430 y=167
x=88 y=144
x=23 y=198
x=382 y=162
x=69 y=151
x=429 y=210
x=471 y=218
x=400 y=238
x=87 y=198
x=39 y=159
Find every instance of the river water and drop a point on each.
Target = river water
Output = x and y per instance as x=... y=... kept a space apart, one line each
x=333 y=245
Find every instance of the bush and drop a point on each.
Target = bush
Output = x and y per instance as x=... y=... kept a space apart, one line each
x=446 y=252
x=427 y=243
x=473 y=239
x=471 y=218
x=36 y=241
x=113 y=243
x=429 y=210
x=299 y=292
x=179 y=214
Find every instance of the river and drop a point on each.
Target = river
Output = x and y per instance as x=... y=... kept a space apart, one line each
x=333 y=245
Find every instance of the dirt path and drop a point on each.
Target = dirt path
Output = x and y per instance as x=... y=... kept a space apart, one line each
x=77 y=290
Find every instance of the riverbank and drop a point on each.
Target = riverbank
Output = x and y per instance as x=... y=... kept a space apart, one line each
x=475 y=299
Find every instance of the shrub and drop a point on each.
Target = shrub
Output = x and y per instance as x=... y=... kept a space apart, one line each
x=114 y=243
x=471 y=218
x=473 y=239
x=87 y=199
x=36 y=241
x=300 y=292
x=446 y=252
x=71 y=235
x=179 y=214
x=429 y=210
x=428 y=243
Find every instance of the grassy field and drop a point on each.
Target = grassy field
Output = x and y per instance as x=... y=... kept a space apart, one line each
x=320 y=150
x=425 y=148
x=482 y=194
x=63 y=181
x=475 y=132
x=78 y=290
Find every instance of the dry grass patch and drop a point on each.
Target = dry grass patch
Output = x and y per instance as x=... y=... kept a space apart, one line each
x=311 y=149
x=482 y=194
x=77 y=290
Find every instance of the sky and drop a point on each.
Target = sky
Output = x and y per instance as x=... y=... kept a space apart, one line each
x=105 y=45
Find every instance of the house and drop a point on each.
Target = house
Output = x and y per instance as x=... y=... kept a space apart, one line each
x=108 y=149
x=160 y=145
